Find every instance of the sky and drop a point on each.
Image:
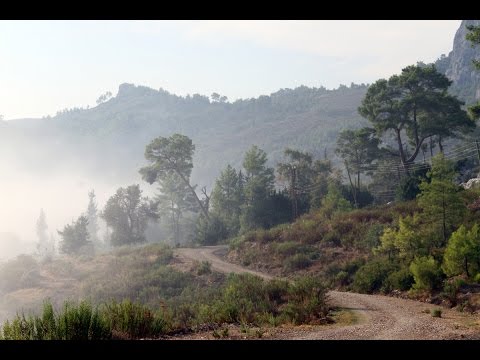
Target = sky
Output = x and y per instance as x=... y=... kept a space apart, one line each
x=47 y=66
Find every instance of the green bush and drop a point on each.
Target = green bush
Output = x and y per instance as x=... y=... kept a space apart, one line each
x=297 y=262
x=426 y=273
x=287 y=248
x=204 y=268
x=370 y=277
x=477 y=278
x=399 y=280
x=75 y=322
x=132 y=321
x=307 y=300
x=372 y=237
x=437 y=312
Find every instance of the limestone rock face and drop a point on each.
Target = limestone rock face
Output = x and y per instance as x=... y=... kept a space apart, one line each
x=472 y=183
x=458 y=67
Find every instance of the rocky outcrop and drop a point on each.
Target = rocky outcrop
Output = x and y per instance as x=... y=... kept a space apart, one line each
x=472 y=183
x=458 y=66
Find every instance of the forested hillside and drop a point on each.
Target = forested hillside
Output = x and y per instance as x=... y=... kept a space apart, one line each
x=112 y=136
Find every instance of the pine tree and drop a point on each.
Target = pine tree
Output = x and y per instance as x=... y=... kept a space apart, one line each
x=45 y=247
x=462 y=254
x=75 y=237
x=92 y=216
x=440 y=200
x=227 y=199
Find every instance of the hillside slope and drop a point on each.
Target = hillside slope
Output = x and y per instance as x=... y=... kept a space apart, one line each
x=109 y=140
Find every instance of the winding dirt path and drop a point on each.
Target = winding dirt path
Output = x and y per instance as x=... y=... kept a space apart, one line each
x=380 y=317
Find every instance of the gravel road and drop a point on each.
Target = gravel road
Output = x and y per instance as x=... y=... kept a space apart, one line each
x=380 y=317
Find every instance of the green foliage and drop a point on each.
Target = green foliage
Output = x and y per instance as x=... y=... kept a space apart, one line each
x=258 y=186
x=127 y=214
x=322 y=172
x=437 y=312
x=171 y=162
x=372 y=238
x=474 y=37
x=297 y=262
x=210 y=232
x=462 y=255
x=175 y=199
x=227 y=198
x=406 y=242
x=249 y=299
x=132 y=321
x=399 y=280
x=75 y=237
x=441 y=202
x=371 y=276
x=477 y=278
x=204 y=268
x=409 y=186
x=300 y=171
x=334 y=201
x=417 y=103
x=426 y=273
x=74 y=322
x=306 y=300
x=358 y=149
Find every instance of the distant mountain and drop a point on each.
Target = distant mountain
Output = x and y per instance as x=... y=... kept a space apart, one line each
x=109 y=140
x=457 y=66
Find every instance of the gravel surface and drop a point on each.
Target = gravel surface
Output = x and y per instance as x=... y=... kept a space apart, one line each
x=380 y=317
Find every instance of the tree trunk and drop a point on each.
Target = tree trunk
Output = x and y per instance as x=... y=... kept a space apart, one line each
x=444 y=219
x=205 y=212
x=351 y=185
x=358 y=181
x=400 y=149
x=466 y=266
x=440 y=144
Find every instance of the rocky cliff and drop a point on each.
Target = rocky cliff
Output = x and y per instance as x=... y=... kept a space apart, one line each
x=458 y=65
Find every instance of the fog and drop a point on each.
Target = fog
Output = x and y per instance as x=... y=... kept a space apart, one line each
x=62 y=194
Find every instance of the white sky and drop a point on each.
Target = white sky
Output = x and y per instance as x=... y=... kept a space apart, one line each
x=46 y=66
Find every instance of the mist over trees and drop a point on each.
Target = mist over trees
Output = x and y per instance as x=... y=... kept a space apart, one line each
x=360 y=188
x=75 y=237
x=45 y=244
x=127 y=214
x=92 y=217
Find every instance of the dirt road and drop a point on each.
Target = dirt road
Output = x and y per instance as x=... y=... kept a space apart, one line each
x=380 y=317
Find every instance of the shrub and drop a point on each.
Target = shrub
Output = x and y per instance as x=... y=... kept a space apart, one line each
x=307 y=300
x=297 y=262
x=75 y=322
x=426 y=273
x=477 y=278
x=210 y=232
x=287 y=248
x=437 y=312
x=399 y=280
x=132 y=321
x=204 y=268
x=370 y=277
x=372 y=237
